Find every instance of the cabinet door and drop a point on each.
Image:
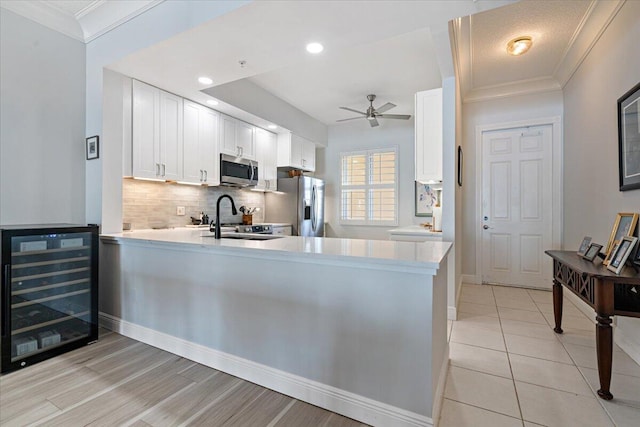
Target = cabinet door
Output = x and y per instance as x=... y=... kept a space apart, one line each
x=146 y=130
x=191 y=141
x=297 y=143
x=308 y=156
x=245 y=140
x=171 y=111
x=228 y=135
x=266 y=153
x=428 y=134
x=208 y=146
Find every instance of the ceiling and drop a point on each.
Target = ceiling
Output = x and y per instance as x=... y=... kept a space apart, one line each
x=563 y=32
x=390 y=48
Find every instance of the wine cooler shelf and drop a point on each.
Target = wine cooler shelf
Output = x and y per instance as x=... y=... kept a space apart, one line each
x=49 y=292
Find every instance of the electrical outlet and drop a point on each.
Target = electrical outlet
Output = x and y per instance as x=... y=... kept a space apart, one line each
x=180 y=211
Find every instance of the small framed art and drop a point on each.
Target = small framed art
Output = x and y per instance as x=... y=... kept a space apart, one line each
x=592 y=252
x=584 y=245
x=608 y=256
x=426 y=199
x=624 y=225
x=621 y=254
x=93 y=148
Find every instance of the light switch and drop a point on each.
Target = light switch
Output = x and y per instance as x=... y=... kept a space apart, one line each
x=180 y=210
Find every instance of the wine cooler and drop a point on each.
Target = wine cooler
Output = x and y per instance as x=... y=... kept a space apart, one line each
x=49 y=291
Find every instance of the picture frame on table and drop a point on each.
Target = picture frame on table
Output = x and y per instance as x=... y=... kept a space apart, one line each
x=426 y=197
x=584 y=245
x=608 y=256
x=624 y=225
x=629 y=139
x=636 y=258
x=93 y=147
x=592 y=252
x=621 y=254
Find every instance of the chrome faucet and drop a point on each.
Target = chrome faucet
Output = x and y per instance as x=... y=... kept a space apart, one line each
x=233 y=211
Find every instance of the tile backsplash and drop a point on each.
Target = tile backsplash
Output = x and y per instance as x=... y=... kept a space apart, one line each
x=148 y=204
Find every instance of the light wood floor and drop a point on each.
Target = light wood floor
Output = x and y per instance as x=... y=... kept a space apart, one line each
x=122 y=382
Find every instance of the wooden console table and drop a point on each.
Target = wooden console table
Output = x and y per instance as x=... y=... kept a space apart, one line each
x=608 y=294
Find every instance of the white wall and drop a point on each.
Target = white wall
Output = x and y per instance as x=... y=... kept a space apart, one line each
x=591 y=196
x=358 y=135
x=42 y=138
x=505 y=110
x=157 y=24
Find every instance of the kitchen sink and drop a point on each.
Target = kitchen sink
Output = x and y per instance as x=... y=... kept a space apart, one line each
x=246 y=236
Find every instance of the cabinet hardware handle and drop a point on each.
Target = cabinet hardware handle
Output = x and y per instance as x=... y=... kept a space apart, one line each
x=164 y=169
x=206 y=175
x=157 y=169
x=201 y=175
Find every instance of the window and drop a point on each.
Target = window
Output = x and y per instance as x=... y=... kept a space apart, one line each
x=369 y=190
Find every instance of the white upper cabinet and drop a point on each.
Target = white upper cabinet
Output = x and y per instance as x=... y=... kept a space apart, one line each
x=428 y=134
x=266 y=150
x=201 y=163
x=237 y=138
x=157 y=133
x=296 y=152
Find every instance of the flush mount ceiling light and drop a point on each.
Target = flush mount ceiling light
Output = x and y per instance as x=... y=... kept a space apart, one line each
x=315 y=47
x=205 y=80
x=519 y=45
x=212 y=102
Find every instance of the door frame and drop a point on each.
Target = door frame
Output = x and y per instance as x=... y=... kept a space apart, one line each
x=557 y=163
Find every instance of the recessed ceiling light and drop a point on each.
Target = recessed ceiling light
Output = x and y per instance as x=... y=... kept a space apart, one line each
x=519 y=45
x=205 y=80
x=272 y=127
x=212 y=102
x=315 y=47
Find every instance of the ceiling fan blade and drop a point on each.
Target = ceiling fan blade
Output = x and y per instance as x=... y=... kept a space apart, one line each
x=386 y=107
x=352 y=118
x=394 y=116
x=355 y=111
x=373 y=123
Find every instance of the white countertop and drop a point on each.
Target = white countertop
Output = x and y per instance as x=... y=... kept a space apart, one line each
x=415 y=230
x=381 y=252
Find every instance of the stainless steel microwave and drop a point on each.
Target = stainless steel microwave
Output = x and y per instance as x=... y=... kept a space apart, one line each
x=237 y=171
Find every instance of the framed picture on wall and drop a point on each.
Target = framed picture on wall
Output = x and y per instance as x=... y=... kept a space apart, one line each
x=93 y=149
x=426 y=198
x=629 y=139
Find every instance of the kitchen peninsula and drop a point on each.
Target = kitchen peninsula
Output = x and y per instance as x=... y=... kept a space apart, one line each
x=354 y=326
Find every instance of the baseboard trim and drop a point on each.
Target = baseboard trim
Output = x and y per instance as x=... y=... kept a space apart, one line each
x=628 y=346
x=349 y=404
x=471 y=279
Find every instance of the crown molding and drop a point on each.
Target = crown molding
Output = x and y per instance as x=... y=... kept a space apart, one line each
x=597 y=19
x=517 y=88
x=93 y=21
x=46 y=15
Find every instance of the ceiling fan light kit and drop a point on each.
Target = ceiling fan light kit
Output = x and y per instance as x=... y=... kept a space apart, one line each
x=372 y=114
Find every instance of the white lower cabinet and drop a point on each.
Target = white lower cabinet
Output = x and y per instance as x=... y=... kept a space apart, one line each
x=201 y=165
x=296 y=152
x=266 y=154
x=157 y=133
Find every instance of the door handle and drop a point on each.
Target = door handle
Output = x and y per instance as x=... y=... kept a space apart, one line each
x=486 y=227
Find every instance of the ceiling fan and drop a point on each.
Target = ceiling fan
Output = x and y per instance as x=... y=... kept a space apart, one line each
x=373 y=114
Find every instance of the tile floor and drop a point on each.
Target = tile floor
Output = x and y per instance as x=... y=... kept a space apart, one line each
x=508 y=367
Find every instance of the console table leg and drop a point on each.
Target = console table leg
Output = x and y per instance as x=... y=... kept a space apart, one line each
x=557 y=306
x=604 y=346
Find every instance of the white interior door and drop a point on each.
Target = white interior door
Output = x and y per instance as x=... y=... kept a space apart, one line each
x=517 y=202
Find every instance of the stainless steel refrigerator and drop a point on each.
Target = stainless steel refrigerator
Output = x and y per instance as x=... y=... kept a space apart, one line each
x=301 y=204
